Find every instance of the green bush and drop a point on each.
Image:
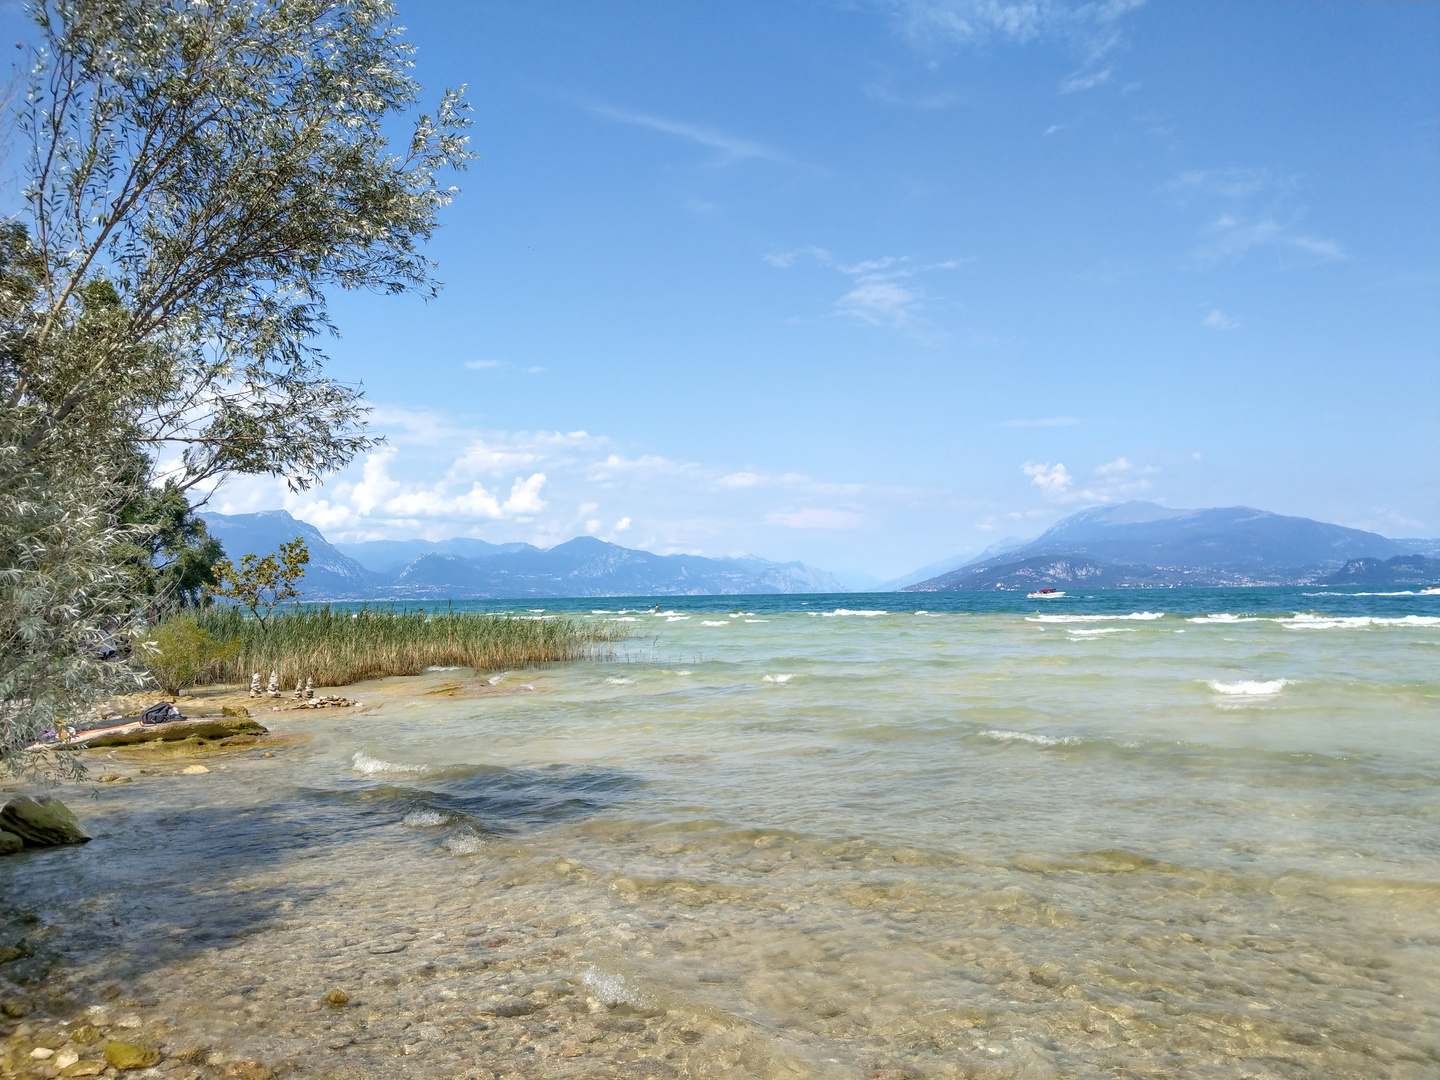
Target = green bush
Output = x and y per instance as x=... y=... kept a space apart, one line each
x=182 y=653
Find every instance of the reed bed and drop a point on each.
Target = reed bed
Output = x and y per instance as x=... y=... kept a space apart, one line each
x=335 y=646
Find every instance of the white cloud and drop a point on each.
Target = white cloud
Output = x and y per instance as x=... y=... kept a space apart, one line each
x=877 y=302
x=1053 y=480
x=1216 y=319
x=481 y=365
x=547 y=487
x=814 y=518
x=739 y=480
x=1116 y=481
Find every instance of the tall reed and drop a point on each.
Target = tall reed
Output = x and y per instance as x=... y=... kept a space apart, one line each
x=337 y=646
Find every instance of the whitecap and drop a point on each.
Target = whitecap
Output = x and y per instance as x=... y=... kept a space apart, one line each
x=779 y=678
x=847 y=611
x=616 y=680
x=1102 y=630
x=684 y=673
x=1307 y=621
x=1026 y=736
x=602 y=611
x=495 y=680
x=434 y=667
x=1249 y=687
x=623 y=618
x=610 y=988
x=676 y=618
x=1223 y=617
x=714 y=622
x=756 y=620
x=1137 y=616
x=424 y=819
x=364 y=763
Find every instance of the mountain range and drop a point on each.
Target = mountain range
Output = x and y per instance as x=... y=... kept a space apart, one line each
x=470 y=568
x=1138 y=544
x=1134 y=544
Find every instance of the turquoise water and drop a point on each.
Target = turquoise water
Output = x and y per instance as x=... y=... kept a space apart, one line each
x=1131 y=833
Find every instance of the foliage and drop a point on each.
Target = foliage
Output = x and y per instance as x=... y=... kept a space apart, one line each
x=180 y=653
x=197 y=175
x=335 y=646
x=170 y=555
x=264 y=582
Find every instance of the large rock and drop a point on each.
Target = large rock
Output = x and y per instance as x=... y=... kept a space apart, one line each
x=41 y=822
x=10 y=843
x=206 y=730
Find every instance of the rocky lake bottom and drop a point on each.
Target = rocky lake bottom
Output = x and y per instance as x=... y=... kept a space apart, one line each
x=1024 y=854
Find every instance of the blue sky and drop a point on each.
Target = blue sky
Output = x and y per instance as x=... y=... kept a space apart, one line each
x=874 y=284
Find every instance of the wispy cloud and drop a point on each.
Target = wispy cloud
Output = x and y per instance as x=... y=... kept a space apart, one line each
x=1088 y=28
x=815 y=518
x=1215 y=319
x=732 y=148
x=883 y=291
x=1248 y=209
x=1086 y=80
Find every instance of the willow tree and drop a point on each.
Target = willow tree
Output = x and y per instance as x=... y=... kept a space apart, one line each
x=199 y=174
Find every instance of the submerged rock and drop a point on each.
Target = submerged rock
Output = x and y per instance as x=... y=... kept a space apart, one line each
x=42 y=822
x=125 y=1055
x=508 y=1006
x=10 y=843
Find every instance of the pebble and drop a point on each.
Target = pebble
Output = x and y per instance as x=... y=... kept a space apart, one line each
x=41 y=1053
x=392 y=947
x=337 y=997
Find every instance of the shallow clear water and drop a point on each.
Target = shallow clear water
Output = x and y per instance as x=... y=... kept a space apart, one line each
x=1139 y=833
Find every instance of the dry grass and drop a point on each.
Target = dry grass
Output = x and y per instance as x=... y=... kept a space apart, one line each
x=335 y=647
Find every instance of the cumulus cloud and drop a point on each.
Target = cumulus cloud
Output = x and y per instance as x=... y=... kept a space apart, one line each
x=546 y=487
x=1215 y=319
x=1053 y=480
x=1114 y=481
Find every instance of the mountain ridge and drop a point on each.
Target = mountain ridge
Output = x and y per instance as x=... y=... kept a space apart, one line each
x=583 y=566
x=1139 y=544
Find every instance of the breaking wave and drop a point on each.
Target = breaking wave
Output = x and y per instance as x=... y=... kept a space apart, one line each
x=362 y=762
x=1025 y=736
x=1249 y=687
x=1138 y=616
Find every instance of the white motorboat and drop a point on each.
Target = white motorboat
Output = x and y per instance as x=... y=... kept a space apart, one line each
x=1045 y=594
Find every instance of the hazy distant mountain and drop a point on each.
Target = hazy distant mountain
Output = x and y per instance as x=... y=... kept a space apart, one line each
x=586 y=566
x=463 y=568
x=331 y=573
x=1401 y=570
x=1139 y=543
x=925 y=573
x=389 y=557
